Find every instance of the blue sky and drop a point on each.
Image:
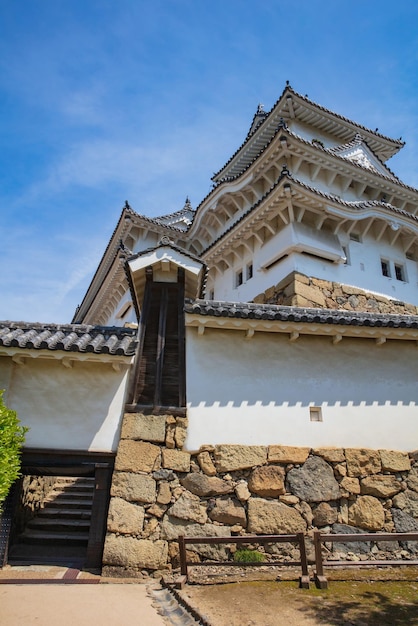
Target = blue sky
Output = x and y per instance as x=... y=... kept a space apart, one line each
x=103 y=101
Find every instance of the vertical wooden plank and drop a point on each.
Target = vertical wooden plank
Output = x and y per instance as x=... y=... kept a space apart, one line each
x=183 y=559
x=181 y=339
x=160 y=346
x=304 y=579
x=98 y=525
x=134 y=383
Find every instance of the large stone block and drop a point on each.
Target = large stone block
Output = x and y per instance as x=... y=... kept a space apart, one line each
x=314 y=481
x=129 y=552
x=393 y=461
x=332 y=455
x=145 y=427
x=367 y=513
x=270 y=517
x=412 y=480
x=288 y=454
x=362 y=462
x=172 y=528
x=325 y=514
x=229 y=458
x=188 y=507
x=380 y=486
x=124 y=517
x=228 y=511
x=134 y=487
x=176 y=460
x=313 y=294
x=205 y=486
x=267 y=481
x=137 y=456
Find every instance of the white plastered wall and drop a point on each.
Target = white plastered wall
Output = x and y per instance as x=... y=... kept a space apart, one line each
x=76 y=408
x=259 y=391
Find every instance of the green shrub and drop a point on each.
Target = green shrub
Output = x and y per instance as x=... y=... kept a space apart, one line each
x=248 y=556
x=12 y=437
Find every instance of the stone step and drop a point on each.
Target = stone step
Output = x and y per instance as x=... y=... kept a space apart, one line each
x=64 y=513
x=65 y=538
x=65 y=487
x=68 y=503
x=58 y=525
x=80 y=495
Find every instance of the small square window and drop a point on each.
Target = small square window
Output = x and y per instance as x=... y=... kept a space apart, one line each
x=385 y=267
x=249 y=271
x=239 y=278
x=400 y=272
x=355 y=237
x=315 y=414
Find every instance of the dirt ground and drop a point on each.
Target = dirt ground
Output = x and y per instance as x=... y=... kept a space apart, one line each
x=378 y=598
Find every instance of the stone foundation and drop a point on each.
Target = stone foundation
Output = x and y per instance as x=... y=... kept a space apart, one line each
x=159 y=492
x=304 y=291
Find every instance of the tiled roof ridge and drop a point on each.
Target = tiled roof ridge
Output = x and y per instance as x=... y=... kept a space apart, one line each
x=68 y=337
x=397 y=142
x=363 y=204
x=288 y=88
x=250 y=310
x=391 y=177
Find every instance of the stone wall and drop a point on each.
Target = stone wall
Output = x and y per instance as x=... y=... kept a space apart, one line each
x=33 y=492
x=160 y=491
x=304 y=291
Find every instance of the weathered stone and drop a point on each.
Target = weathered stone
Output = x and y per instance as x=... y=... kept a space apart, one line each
x=172 y=528
x=288 y=498
x=362 y=462
x=306 y=512
x=204 y=486
x=150 y=527
x=405 y=523
x=137 y=456
x=411 y=502
x=332 y=455
x=124 y=517
x=164 y=493
x=314 y=481
x=412 y=480
x=287 y=454
x=206 y=463
x=380 y=486
x=352 y=485
x=241 y=491
x=180 y=432
x=145 y=427
x=164 y=474
x=359 y=547
x=176 y=460
x=188 y=507
x=133 y=487
x=399 y=501
x=157 y=510
x=393 y=461
x=325 y=514
x=366 y=512
x=228 y=511
x=310 y=293
x=137 y=553
x=229 y=457
x=340 y=470
x=269 y=517
x=267 y=481
x=170 y=432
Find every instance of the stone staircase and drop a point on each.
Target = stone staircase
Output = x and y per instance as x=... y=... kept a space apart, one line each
x=60 y=529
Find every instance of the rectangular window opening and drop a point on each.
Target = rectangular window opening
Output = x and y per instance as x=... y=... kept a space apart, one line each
x=249 y=271
x=239 y=278
x=385 y=267
x=400 y=272
x=315 y=414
